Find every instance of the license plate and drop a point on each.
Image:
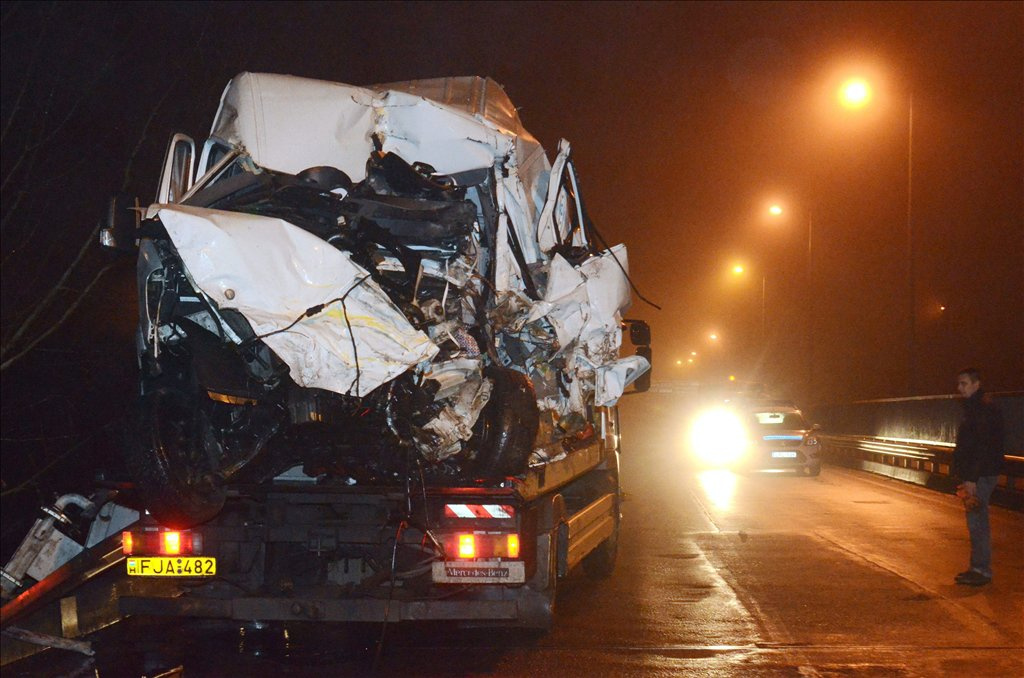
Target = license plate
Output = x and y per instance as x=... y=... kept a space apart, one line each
x=172 y=567
x=479 y=572
x=784 y=454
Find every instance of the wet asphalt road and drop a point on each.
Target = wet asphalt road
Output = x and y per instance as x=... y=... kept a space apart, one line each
x=719 y=574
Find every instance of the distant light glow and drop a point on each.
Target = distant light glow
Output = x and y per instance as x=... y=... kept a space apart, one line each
x=713 y=336
x=737 y=269
x=855 y=93
x=694 y=353
x=775 y=210
x=679 y=362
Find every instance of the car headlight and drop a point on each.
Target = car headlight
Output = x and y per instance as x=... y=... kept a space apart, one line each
x=718 y=437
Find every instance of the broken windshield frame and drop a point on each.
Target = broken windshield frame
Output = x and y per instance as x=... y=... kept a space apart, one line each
x=220 y=170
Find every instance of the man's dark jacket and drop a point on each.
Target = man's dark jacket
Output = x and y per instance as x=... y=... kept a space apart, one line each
x=979 y=439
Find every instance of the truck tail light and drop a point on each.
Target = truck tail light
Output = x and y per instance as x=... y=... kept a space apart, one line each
x=467 y=546
x=470 y=545
x=170 y=543
x=161 y=542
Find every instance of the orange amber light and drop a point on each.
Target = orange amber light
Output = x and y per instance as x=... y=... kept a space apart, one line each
x=513 y=546
x=126 y=543
x=467 y=546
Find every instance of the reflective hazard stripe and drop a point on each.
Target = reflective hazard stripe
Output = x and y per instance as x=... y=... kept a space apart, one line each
x=479 y=511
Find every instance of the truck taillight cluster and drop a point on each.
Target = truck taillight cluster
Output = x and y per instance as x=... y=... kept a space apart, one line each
x=471 y=545
x=161 y=542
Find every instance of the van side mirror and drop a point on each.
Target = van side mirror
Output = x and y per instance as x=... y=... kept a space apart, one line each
x=178 y=172
x=639 y=332
x=121 y=223
x=643 y=382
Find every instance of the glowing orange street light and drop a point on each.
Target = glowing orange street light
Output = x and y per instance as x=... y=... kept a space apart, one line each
x=775 y=210
x=737 y=269
x=855 y=93
x=713 y=336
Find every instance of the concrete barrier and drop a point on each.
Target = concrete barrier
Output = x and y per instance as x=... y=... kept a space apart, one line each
x=912 y=439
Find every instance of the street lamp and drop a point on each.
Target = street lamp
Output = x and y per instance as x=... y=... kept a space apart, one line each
x=854 y=94
x=776 y=211
x=738 y=270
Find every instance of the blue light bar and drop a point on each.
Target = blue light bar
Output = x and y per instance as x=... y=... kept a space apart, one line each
x=783 y=437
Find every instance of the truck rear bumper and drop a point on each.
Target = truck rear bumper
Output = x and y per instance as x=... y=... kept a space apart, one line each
x=340 y=610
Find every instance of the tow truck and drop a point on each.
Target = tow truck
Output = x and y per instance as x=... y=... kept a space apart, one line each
x=296 y=550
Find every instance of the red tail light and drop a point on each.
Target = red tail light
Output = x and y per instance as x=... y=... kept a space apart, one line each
x=161 y=542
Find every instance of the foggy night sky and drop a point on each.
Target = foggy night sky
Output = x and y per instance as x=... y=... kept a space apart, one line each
x=686 y=121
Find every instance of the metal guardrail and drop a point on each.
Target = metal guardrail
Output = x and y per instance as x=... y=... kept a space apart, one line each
x=921 y=462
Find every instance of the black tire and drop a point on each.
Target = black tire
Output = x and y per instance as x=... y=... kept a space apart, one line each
x=814 y=470
x=167 y=455
x=507 y=425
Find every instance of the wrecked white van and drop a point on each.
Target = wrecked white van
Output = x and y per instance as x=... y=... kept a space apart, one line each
x=367 y=283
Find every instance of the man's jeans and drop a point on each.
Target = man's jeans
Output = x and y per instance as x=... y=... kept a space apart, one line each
x=977 y=526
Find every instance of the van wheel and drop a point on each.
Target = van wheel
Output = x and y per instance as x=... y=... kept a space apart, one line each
x=168 y=457
x=814 y=470
x=508 y=424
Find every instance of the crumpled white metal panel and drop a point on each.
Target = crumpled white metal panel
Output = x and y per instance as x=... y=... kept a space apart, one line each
x=613 y=378
x=289 y=124
x=272 y=272
x=548 y=233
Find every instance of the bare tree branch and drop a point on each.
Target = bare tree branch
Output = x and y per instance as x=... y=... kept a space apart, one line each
x=10 y=347
x=28 y=482
x=47 y=300
x=60 y=321
x=28 y=71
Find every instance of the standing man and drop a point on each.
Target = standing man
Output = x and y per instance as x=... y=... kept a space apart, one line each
x=977 y=462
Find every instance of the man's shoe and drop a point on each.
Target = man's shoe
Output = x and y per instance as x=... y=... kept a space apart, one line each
x=966 y=573
x=972 y=578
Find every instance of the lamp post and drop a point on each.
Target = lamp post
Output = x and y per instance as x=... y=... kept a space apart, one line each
x=856 y=93
x=738 y=270
x=776 y=210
